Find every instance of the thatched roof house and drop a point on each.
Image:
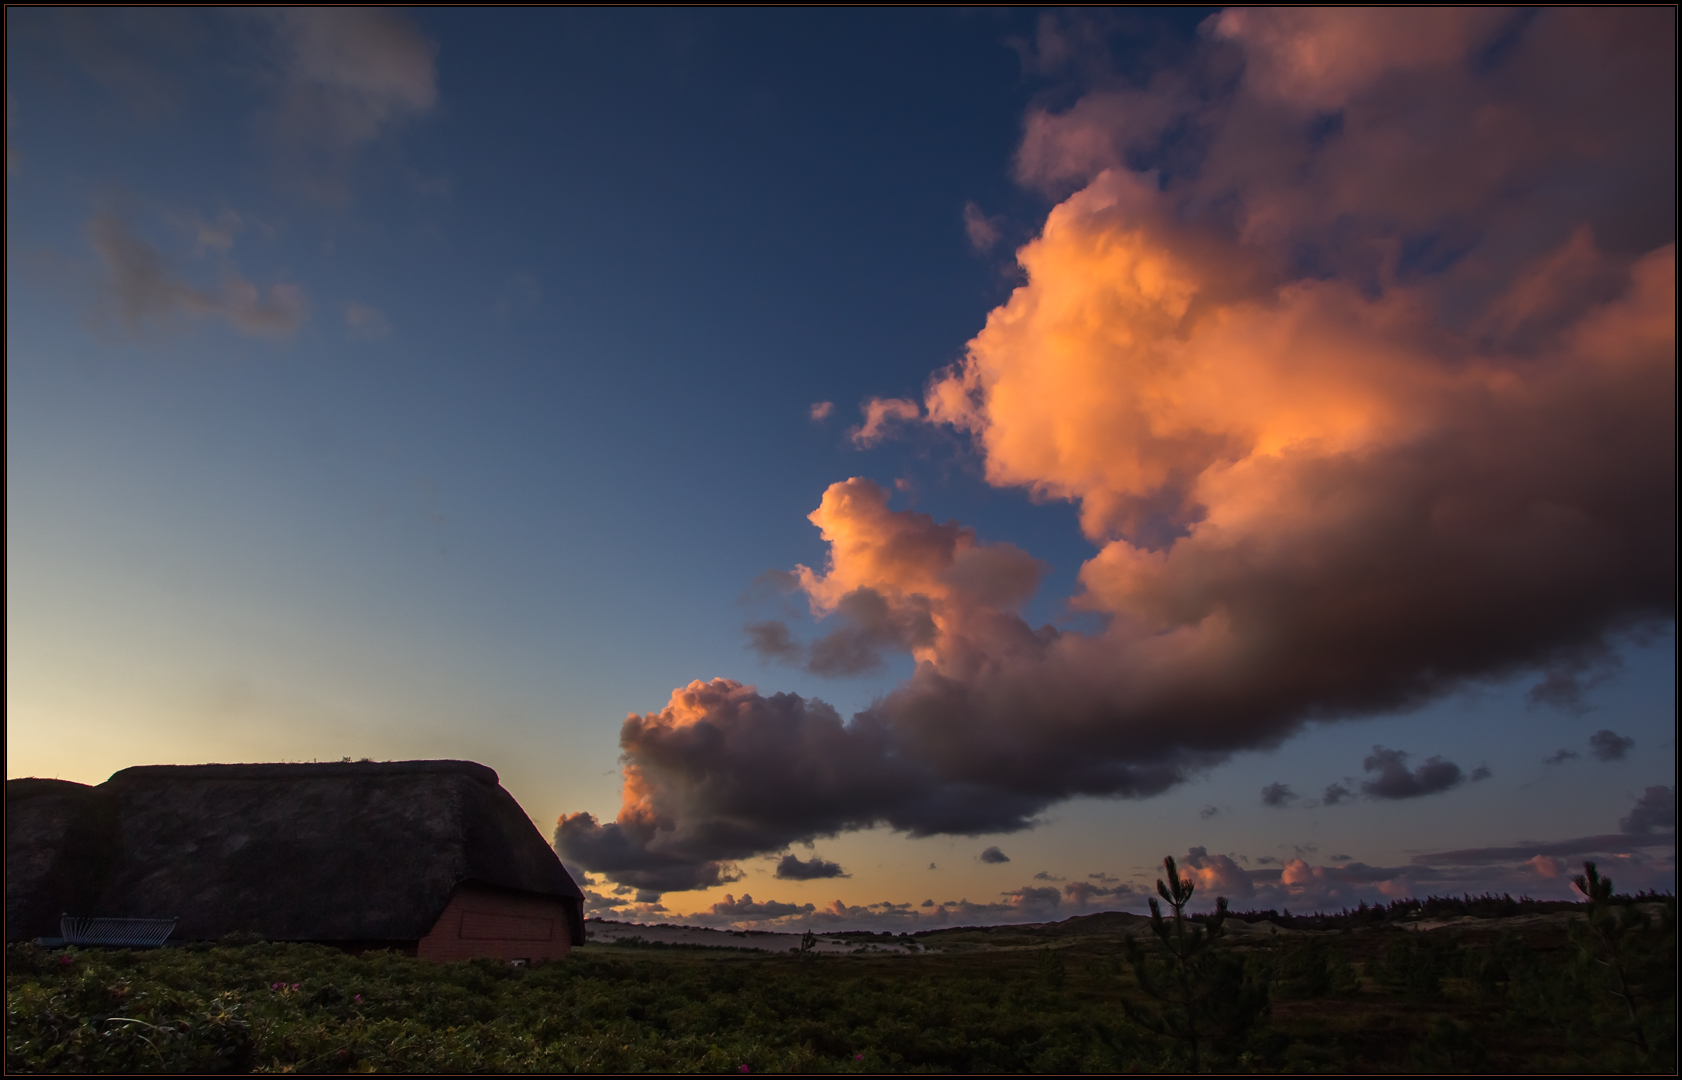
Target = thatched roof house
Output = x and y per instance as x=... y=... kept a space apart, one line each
x=432 y=857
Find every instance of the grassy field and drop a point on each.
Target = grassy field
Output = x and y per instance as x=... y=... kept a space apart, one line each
x=1522 y=993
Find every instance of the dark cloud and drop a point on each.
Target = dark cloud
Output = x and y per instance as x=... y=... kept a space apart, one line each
x=792 y=869
x=1606 y=843
x=747 y=908
x=1336 y=793
x=869 y=626
x=1277 y=794
x=994 y=855
x=611 y=850
x=1029 y=896
x=1560 y=757
x=1608 y=745
x=1655 y=809
x=772 y=641
x=1571 y=673
x=1396 y=782
x=1208 y=812
x=726 y=773
x=1046 y=875
x=1482 y=772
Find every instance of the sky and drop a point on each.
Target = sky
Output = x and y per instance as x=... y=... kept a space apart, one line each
x=878 y=469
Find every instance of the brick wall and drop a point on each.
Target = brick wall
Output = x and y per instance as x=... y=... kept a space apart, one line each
x=485 y=922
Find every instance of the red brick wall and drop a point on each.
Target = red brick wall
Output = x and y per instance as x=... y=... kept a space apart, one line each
x=485 y=922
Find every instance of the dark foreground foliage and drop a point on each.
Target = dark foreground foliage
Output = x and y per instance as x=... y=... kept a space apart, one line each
x=1533 y=996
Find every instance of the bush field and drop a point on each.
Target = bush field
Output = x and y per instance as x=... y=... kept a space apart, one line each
x=1532 y=995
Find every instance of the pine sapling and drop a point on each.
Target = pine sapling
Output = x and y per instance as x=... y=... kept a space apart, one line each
x=1204 y=995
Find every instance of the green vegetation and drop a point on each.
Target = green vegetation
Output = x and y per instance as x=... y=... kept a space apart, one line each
x=1520 y=994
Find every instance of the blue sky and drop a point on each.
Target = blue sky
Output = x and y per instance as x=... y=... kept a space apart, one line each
x=440 y=384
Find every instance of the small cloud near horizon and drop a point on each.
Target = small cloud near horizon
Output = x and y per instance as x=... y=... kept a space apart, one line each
x=993 y=855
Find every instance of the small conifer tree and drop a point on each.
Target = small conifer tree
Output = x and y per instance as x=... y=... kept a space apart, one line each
x=1204 y=995
x=1604 y=946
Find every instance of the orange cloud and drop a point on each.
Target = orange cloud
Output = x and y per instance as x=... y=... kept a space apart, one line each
x=881 y=415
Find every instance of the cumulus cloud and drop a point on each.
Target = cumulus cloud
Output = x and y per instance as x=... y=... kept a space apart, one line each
x=1608 y=745
x=1217 y=875
x=1353 y=343
x=1277 y=794
x=144 y=288
x=993 y=855
x=1396 y=782
x=791 y=868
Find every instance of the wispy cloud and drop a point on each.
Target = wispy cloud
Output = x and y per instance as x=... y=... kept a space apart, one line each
x=881 y=417
x=365 y=322
x=144 y=289
x=983 y=232
x=348 y=77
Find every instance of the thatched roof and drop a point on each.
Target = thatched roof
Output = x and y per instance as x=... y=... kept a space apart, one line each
x=353 y=851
